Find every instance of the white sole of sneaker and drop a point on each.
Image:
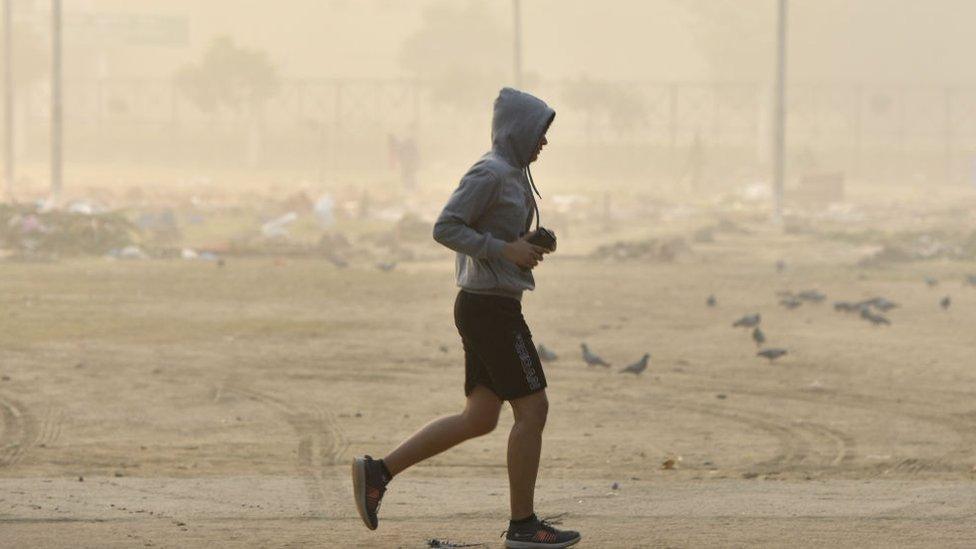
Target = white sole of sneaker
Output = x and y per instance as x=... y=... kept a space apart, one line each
x=510 y=544
x=359 y=490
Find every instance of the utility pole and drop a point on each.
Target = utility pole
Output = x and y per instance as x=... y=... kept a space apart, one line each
x=55 y=99
x=8 y=102
x=779 y=124
x=517 y=13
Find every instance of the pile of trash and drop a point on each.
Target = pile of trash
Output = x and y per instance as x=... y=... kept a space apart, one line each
x=29 y=229
x=919 y=248
x=652 y=249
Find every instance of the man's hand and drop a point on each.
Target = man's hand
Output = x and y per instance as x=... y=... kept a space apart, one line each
x=523 y=254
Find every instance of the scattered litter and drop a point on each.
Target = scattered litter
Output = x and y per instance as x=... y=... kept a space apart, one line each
x=445 y=544
x=278 y=227
x=129 y=252
x=25 y=229
x=324 y=211
x=654 y=249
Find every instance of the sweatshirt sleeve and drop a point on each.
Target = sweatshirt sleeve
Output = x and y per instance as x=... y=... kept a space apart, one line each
x=475 y=194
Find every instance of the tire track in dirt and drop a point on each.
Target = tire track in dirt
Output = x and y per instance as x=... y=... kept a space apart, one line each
x=19 y=431
x=321 y=442
x=962 y=425
x=800 y=444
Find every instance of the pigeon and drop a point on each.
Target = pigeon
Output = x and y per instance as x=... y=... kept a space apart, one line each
x=386 y=266
x=545 y=355
x=878 y=303
x=946 y=301
x=711 y=302
x=790 y=302
x=771 y=354
x=812 y=296
x=758 y=336
x=748 y=321
x=337 y=261
x=591 y=359
x=874 y=318
x=780 y=266
x=931 y=282
x=639 y=366
x=845 y=306
x=971 y=280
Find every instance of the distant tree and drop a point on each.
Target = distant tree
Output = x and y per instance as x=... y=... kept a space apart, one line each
x=235 y=79
x=462 y=50
x=616 y=104
x=735 y=36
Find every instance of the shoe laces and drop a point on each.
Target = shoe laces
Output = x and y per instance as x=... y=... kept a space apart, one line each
x=546 y=523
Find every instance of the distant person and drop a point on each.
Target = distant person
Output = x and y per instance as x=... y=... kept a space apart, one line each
x=487 y=221
x=405 y=155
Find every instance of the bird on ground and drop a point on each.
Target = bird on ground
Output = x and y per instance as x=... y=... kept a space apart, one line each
x=780 y=266
x=337 y=261
x=946 y=302
x=386 y=266
x=711 y=301
x=758 y=336
x=748 y=321
x=845 y=306
x=545 y=355
x=813 y=296
x=591 y=359
x=790 y=302
x=873 y=318
x=971 y=280
x=878 y=303
x=771 y=354
x=639 y=366
x=931 y=282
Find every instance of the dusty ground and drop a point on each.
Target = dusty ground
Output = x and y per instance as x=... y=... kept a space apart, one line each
x=177 y=404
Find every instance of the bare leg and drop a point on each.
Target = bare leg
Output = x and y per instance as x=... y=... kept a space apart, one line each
x=479 y=417
x=524 y=447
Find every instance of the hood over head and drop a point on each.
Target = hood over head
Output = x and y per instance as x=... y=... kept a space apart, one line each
x=519 y=122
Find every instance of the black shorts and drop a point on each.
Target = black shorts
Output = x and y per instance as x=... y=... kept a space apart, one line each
x=498 y=349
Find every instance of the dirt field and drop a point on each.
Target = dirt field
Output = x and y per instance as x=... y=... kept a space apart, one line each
x=178 y=404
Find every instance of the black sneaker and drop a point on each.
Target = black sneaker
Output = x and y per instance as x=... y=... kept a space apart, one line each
x=538 y=534
x=368 y=484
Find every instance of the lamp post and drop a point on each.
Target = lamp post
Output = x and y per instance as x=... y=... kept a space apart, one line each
x=8 y=102
x=517 y=15
x=779 y=124
x=55 y=99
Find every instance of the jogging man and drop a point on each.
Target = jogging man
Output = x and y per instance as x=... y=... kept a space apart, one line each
x=487 y=221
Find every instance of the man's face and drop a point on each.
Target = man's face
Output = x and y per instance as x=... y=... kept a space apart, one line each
x=542 y=142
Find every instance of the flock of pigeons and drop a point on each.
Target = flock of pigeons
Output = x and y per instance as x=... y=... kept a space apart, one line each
x=872 y=310
x=592 y=359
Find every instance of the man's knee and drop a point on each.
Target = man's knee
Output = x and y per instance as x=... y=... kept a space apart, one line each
x=532 y=410
x=481 y=424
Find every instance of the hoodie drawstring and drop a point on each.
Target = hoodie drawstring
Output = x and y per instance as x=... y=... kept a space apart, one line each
x=535 y=206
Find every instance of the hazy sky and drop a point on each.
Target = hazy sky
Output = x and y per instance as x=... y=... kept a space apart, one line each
x=881 y=40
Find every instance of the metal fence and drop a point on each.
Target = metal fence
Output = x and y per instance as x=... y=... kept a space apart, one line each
x=867 y=131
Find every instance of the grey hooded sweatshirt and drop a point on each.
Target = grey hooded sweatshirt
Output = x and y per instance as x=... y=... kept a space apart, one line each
x=493 y=204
